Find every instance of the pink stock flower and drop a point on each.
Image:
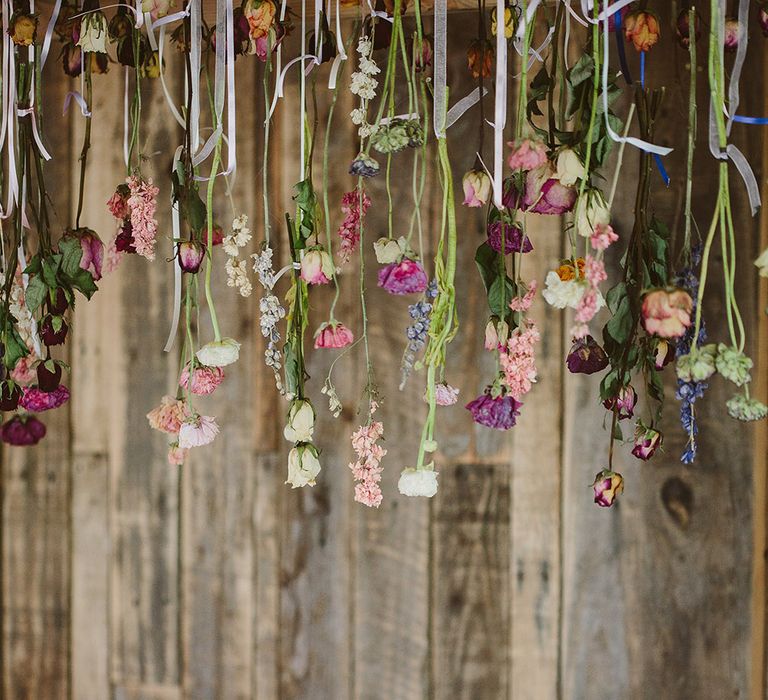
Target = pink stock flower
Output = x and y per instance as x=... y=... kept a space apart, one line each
x=333 y=335
x=594 y=271
x=603 y=236
x=405 y=277
x=445 y=394
x=22 y=431
x=518 y=361
x=169 y=415
x=35 y=400
x=142 y=204
x=349 y=231
x=204 y=379
x=366 y=469
x=522 y=304
x=527 y=154
x=176 y=454
x=197 y=431
x=667 y=314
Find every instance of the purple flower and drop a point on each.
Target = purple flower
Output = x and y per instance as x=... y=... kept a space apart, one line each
x=10 y=395
x=646 y=442
x=22 y=430
x=607 y=486
x=586 y=356
x=498 y=412
x=623 y=403
x=405 y=277
x=36 y=400
x=513 y=238
x=49 y=333
x=49 y=375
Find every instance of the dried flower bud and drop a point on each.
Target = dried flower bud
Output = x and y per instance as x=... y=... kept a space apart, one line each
x=607 y=486
x=623 y=403
x=641 y=27
x=23 y=28
x=732 y=34
x=647 y=441
x=190 y=255
x=480 y=58
x=477 y=188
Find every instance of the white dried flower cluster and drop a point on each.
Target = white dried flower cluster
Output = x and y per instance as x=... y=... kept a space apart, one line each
x=272 y=311
x=363 y=84
x=334 y=402
x=25 y=323
x=237 y=269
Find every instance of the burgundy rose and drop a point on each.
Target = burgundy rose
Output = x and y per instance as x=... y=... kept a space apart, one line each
x=586 y=356
x=498 y=412
x=49 y=335
x=124 y=242
x=59 y=304
x=35 y=400
x=405 y=277
x=72 y=60
x=22 y=431
x=190 y=255
x=514 y=240
x=48 y=375
x=10 y=395
x=624 y=402
x=647 y=440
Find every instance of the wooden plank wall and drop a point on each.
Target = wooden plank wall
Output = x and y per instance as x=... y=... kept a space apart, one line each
x=123 y=578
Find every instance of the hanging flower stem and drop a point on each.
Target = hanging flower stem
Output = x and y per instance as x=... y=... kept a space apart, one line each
x=86 y=138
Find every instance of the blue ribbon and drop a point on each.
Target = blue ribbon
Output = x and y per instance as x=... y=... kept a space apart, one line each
x=628 y=78
x=759 y=121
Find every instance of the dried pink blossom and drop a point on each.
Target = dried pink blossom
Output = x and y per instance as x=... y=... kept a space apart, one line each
x=176 y=454
x=169 y=415
x=603 y=236
x=333 y=335
x=527 y=154
x=445 y=394
x=518 y=361
x=142 y=204
x=36 y=400
x=349 y=231
x=118 y=204
x=367 y=470
x=197 y=431
x=24 y=371
x=204 y=379
x=523 y=303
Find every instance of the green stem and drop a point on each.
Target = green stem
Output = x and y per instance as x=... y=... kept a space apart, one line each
x=209 y=220
x=86 y=138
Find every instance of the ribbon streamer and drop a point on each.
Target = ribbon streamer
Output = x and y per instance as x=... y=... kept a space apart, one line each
x=79 y=99
x=49 y=34
x=341 y=54
x=440 y=67
x=457 y=111
x=500 y=110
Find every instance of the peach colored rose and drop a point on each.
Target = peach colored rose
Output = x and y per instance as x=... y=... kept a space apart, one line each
x=667 y=314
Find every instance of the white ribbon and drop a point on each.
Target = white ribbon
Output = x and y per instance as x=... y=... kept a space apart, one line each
x=341 y=54
x=49 y=34
x=79 y=99
x=465 y=103
x=171 y=104
x=126 y=154
x=194 y=59
x=738 y=64
x=151 y=33
x=440 y=67
x=384 y=15
x=30 y=112
x=176 y=224
x=500 y=110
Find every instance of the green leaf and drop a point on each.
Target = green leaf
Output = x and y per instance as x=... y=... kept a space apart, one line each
x=35 y=293
x=196 y=212
x=83 y=282
x=486 y=259
x=71 y=254
x=499 y=296
x=51 y=269
x=621 y=323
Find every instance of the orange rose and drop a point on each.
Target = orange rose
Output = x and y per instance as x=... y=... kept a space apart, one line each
x=642 y=29
x=567 y=271
x=261 y=16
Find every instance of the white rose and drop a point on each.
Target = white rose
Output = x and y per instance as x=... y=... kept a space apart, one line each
x=303 y=466
x=301 y=422
x=591 y=211
x=762 y=263
x=219 y=353
x=93 y=33
x=560 y=293
x=387 y=250
x=418 y=482
x=570 y=169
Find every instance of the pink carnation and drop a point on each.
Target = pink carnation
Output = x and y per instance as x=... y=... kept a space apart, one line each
x=197 y=431
x=333 y=335
x=169 y=415
x=118 y=205
x=523 y=303
x=176 y=455
x=142 y=203
x=405 y=277
x=204 y=379
x=36 y=401
x=527 y=155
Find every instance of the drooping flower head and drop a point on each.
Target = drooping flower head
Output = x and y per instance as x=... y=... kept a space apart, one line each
x=205 y=379
x=300 y=423
x=499 y=412
x=586 y=356
x=169 y=415
x=418 y=482
x=303 y=465
x=142 y=204
x=667 y=314
x=333 y=335
x=35 y=400
x=317 y=266
x=515 y=241
x=623 y=403
x=607 y=487
x=22 y=431
x=197 y=431
x=477 y=188
x=527 y=154
x=445 y=394
x=406 y=277
x=647 y=441
x=641 y=27
x=219 y=353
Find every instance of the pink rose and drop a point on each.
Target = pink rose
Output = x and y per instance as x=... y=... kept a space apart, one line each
x=527 y=155
x=545 y=194
x=667 y=314
x=477 y=188
x=607 y=486
x=317 y=267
